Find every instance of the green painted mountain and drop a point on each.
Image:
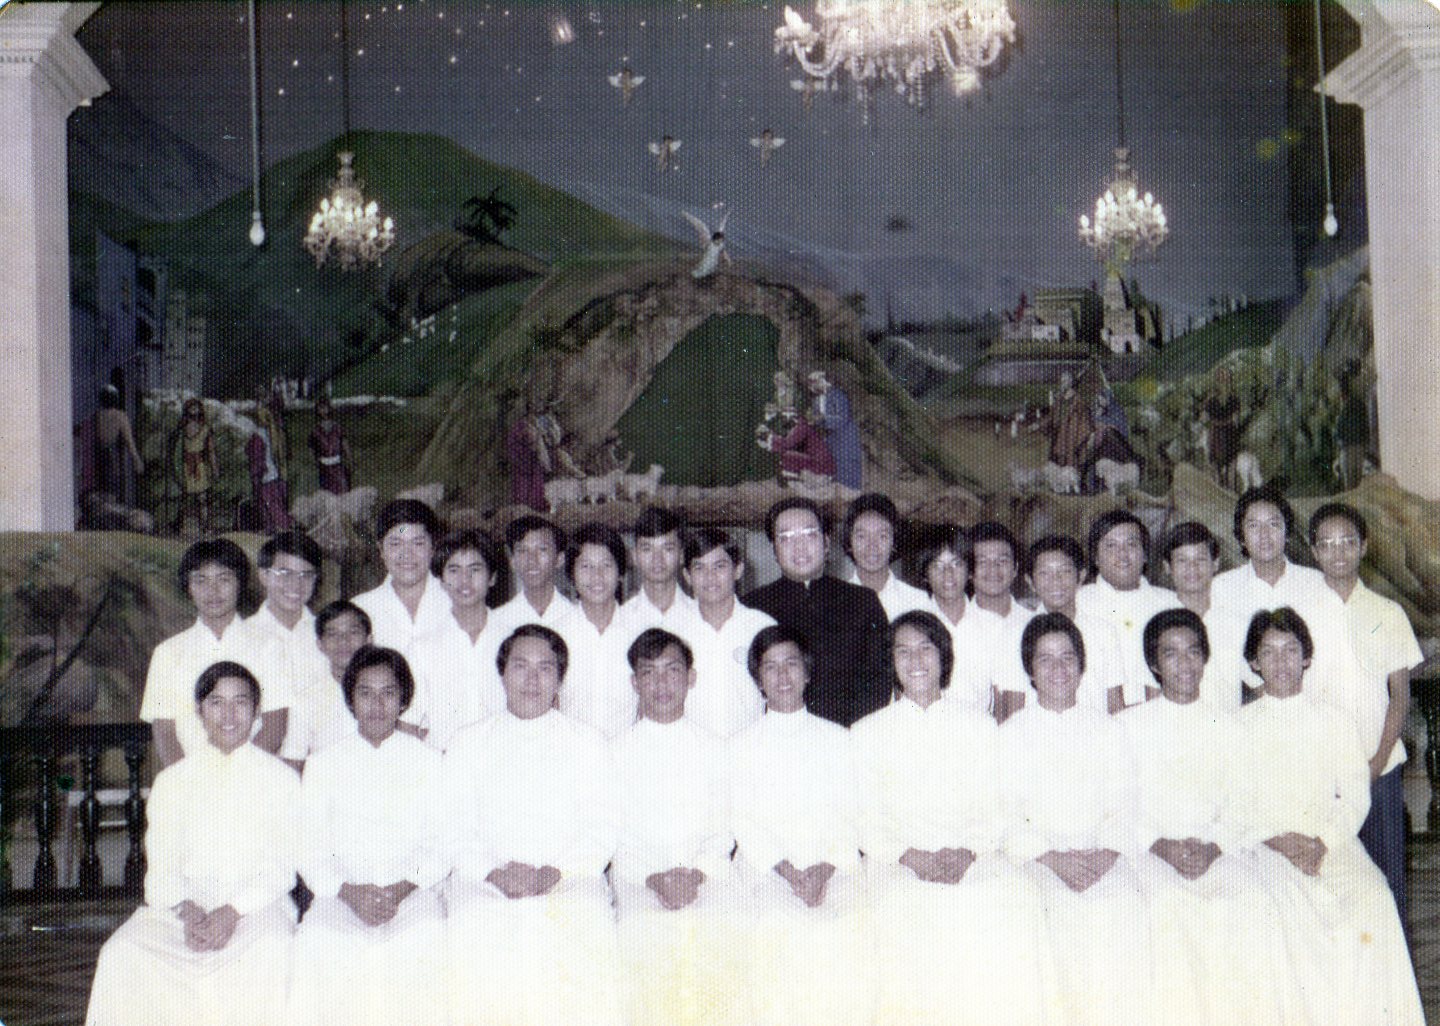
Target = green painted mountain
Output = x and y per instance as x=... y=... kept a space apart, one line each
x=271 y=311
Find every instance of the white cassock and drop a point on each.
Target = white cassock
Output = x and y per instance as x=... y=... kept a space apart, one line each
x=391 y=625
x=1068 y=783
x=948 y=954
x=222 y=831
x=725 y=699
x=896 y=596
x=372 y=816
x=1218 y=946
x=682 y=965
x=978 y=639
x=597 y=689
x=797 y=792
x=178 y=661
x=1128 y=612
x=539 y=792
x=457 y=681
x=1335 y=665
x=1104 y=663
x=1347 y=948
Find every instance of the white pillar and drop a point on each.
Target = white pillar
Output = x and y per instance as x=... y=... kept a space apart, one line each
x=1395 y=77
x=44 y=75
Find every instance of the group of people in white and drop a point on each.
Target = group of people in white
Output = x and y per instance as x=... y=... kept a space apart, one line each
x=834 y=802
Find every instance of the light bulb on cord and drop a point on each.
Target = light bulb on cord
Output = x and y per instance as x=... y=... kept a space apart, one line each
x=1331 y=224
x=257 y=229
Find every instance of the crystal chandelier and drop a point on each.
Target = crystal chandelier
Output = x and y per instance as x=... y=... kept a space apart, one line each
x=901 y=43
x=346 y=225
x=1126 y=223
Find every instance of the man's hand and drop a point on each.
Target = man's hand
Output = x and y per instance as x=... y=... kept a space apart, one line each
x=1304 y=853
x=808 y=884
x=1079 y=869
x=1191 y=857
x=371 y=904
x=518 y=880
x=676 y=887
x=947 y=865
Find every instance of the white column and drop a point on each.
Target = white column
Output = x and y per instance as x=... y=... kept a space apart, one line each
x=1395 y=77
x=44 y=75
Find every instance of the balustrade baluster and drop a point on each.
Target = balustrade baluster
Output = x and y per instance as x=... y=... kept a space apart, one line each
x=90 y=876
x=135 y=820
x=45 y=869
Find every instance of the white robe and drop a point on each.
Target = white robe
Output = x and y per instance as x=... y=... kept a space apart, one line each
x=222 y=830
x=978 y=639
x=540 y=792
x=1128 y=612
x=1347 y=948
x=1219 y=950
x=1068 y=783
x=681 y=965
x=178 y=661
x=457 y=681
x=725 y=699
x=797 y=792
x=948 y=954
x=597 y=690
x=391 y=624
x=896 y=596
x=1104 y=663
x=372 y=816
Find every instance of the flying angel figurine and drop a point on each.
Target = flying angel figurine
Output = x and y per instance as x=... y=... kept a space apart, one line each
x=712 y=243
x=664 y=153
x=767 y=142
x=626 y=80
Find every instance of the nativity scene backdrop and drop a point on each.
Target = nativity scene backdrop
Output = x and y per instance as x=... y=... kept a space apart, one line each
x=662 y=252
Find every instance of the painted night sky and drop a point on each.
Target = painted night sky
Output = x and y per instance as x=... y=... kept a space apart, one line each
x=955 y=209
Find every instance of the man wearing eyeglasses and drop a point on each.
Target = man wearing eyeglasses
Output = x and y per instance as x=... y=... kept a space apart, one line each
x=1385 y=646
x=844 y=624
x=289 y=565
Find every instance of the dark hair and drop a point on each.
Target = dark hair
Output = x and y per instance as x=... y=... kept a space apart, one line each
x=652 y=643
x=517 y=529
x=993 y=530
x=607 y=538
x=1268 y=492
x=374 y=655
x=656 y=522
x=1061 y=543
x=947 y=539
x=871 y=502
x=1167 y=620
x=216 y=672
x=704 y=540
x=406 y=511
x=767 y=638
x=291 y=543
x=1191 y=532
x=928 y=624
x=222 y=552
x=534 y=630
x=1107 y=522
x=1344 y=511
x=473 y=539
x=1041 y=625
x=337 y=609
x=1286 y=621
x=794 y=502
x=110 y=398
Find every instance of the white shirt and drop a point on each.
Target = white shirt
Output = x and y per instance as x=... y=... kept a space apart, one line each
x=896 y=596
x=222 y=830
x=318 y=717
x=673 y=800
x=457 y=681
x=597 y=689
x=1104 y=664
x=934 y=775
x=391 y=625
x=1384 y=641
x=978 y=639
x=1128 y=612
x=641 y=614
x=299 y=644
x=538 y=791
x=797 y=792
x=518 y=611
x=725 y=698
x=374 y=815
x=178 y=661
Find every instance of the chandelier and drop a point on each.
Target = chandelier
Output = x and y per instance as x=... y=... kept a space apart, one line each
x=346 y=225
x=1126 y=224
x=900 y=43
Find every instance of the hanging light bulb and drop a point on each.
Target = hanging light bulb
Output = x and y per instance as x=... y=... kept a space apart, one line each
x=257 y=222
x=257 y=229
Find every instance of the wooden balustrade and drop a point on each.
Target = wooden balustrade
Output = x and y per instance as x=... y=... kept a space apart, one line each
x=45 y=747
